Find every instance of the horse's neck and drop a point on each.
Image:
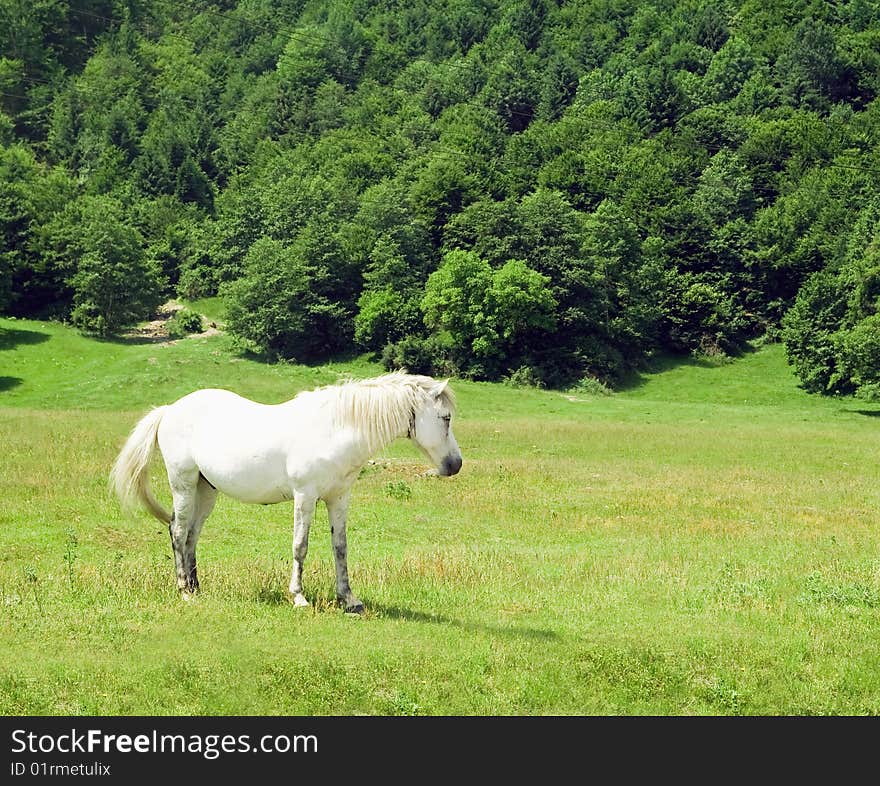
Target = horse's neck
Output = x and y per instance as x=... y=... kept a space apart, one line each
x=384 y=423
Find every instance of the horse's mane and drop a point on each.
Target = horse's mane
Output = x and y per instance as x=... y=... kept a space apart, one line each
x=382 y=407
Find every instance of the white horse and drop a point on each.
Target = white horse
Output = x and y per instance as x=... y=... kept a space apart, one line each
x=309 y=448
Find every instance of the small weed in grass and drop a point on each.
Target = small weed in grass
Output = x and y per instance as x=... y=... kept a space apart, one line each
x=820 y=590
x=70 y=546
x=30 y=575
x=398 y=489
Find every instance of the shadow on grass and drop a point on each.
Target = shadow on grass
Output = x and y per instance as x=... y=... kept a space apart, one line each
x=10 y=338
x=273 y=359
x=398 y=613
x=277 y=597
x=129 y=341
x=7 y=383
x=667 y=362
x=870 y=413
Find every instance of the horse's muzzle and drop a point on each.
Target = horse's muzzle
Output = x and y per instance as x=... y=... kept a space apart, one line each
x=450 y=466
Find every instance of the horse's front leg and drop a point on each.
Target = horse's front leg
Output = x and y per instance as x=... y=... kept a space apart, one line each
x=337 y=511
x=303 y=513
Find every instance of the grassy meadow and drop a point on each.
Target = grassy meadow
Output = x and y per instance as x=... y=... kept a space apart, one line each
x=706 y=541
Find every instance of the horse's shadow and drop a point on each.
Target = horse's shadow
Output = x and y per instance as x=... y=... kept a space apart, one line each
x=398 y=613
x=383 y=611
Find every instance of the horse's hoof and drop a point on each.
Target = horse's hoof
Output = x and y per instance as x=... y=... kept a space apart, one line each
x=300 y=601
x=354 y=607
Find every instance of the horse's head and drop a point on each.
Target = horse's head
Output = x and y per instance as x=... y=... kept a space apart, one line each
x=431 y=429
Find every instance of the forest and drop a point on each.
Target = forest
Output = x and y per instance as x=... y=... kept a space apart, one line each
x=550 y=193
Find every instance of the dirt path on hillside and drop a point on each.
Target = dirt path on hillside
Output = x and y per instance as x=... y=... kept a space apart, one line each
x=156 y=330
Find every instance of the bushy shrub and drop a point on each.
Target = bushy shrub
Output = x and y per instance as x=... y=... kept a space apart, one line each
x=858 y=356
x=524 y=377
x=590 y=386
x=493 y=317
x=286 y=304
x=384 y=316
x=183 y=323
x=113 y=290
x=698 y=316
x=88 y=318
x=869 y=392
x=196 y=282
x=809 y=331
x=415 y=354
x=112 y=283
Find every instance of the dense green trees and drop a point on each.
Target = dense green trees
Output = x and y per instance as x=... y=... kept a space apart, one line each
x=489 y=318
x=473 y=186
x=111 y=280
x=832 y=332
x=293 y=301
x=31 y=195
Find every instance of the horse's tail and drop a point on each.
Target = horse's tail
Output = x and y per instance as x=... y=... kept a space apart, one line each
x=130 y=476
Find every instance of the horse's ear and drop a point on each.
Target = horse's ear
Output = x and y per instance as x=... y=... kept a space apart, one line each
x=439 y=388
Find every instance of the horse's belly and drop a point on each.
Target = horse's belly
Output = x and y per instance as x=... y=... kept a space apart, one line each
x=248 y=484
x=254 y=471
x=266 y=495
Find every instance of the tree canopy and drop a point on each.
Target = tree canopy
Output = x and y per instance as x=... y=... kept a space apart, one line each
x=468 y=186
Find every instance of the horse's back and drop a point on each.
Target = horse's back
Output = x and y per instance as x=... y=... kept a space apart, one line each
x=238 y=445
x=214 y=397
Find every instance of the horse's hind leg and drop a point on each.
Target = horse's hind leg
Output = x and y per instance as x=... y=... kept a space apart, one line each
x=337 y=509
x=184 y=488
x=206 y=496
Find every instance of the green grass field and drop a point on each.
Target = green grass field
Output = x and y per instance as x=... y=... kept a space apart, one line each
x=706 y=541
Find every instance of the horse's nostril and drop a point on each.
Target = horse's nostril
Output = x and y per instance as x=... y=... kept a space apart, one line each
x=452 y=464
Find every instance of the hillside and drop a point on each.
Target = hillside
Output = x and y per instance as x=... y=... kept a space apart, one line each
x=47 y=365
x=493 y=188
